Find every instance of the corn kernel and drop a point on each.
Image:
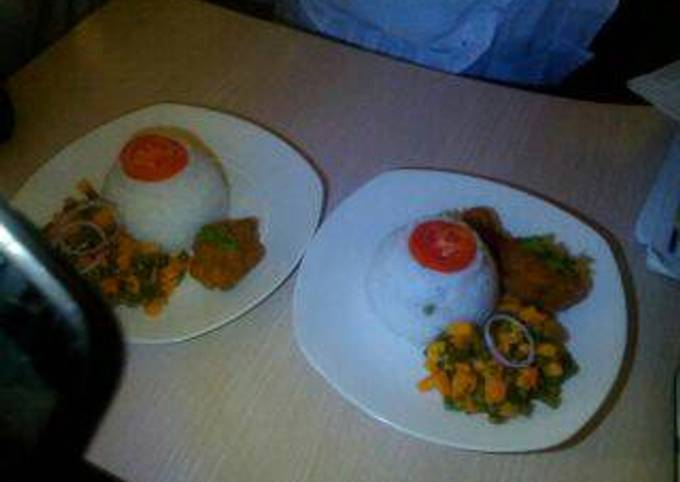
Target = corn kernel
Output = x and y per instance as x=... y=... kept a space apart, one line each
x=462 y=329
x=435 y=350
x=553 y=370
x=547 y=350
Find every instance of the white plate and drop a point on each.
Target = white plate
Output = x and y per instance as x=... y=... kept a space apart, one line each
x=378 y=372
x=268 y=179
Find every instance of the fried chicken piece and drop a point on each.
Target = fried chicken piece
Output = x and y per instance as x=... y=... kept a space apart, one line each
x=224 y=252
x=486 y=222
x=533 y=276
x=536 y=269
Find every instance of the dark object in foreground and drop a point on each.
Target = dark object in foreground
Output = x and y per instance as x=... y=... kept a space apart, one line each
x=6 y=116
x=225 y=252
x=62 y=357
x=536 y=269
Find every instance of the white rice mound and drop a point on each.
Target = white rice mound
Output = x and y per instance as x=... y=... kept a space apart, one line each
x=170 y=212
x=402 y=292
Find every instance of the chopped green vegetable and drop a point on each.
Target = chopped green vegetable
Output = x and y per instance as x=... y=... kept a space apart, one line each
x=217 y=235
x=554 y=254
x=449 y=404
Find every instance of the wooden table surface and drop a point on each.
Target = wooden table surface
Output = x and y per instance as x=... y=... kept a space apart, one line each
x=242 y=403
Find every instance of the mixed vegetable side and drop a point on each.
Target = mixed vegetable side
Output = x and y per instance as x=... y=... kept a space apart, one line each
x=126 y=271
x=138 y=273
x=471 y=378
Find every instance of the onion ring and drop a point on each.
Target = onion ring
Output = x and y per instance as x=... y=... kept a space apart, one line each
x=101 y=257
x=495 y=352
x=71 y=251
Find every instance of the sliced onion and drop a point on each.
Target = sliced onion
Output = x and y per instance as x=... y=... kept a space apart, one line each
x=496 y=353
x=63 y=231
x=65 y=217
x=99 y=259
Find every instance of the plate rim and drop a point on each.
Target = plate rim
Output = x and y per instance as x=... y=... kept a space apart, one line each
x=595 y=229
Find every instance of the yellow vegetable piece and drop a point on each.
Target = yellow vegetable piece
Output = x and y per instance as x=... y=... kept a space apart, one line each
x=431 y=365
x=461 y=328
x=132 y=284
x=426 y=384
x=547 y=350
x=479 y=366
x=494 y=390
x=124 y=254
x=509 y=304
x=154 y=307
x=109 y=286
x=524 y=349
x=553 y=370
x=145 y=247
x=461 y=334
x=442 y=383
x=504 y=342
x=532 y=316
x=436 y=350
x=104 y=218
x=508 y=410
x=463 y=383
x=527 y=378
x=470 y=406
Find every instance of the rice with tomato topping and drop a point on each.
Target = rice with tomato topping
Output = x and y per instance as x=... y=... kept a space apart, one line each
x=171 y=210
x=416 y=302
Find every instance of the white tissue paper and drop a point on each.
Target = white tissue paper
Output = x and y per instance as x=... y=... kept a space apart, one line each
x=658 y=225
x=524 y=41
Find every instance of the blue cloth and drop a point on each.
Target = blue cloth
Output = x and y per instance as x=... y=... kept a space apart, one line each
x=524 y=41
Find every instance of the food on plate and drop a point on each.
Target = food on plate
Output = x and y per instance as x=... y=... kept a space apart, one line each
x=518 y=354
x=531 y=363
x=537 y=269
x=85 y=230
x=224 y=252
x=428 y=273
x=165 y=185
x=509 y=341
x=126 y=271
x=164 y=195
x=141 y=274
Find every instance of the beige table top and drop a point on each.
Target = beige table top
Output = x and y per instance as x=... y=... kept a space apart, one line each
x=242 y=403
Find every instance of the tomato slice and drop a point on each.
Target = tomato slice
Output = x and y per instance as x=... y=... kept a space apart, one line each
x=443 y=246
x=153 y=158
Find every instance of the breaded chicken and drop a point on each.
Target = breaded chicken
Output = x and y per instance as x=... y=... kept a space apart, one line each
x=224 y=252
x=536 y=269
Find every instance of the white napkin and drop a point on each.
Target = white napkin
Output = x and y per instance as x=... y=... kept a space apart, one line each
x=658 y=225
x=661 y=88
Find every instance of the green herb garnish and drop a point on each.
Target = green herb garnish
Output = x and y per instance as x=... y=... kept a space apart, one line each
x=217 y=235
x=429 y=309
x=552 y=253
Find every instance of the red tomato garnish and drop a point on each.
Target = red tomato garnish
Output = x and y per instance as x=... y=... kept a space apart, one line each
x=443 y=246
x=153 y=158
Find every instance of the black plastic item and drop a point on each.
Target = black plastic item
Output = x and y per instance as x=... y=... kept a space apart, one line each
x=6 y=116
x=61 y=356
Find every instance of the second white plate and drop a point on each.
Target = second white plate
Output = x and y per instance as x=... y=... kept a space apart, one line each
x=378 y=372
x=268 y=179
